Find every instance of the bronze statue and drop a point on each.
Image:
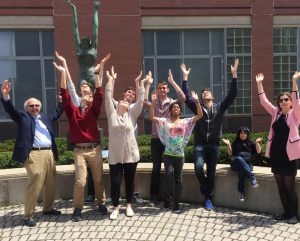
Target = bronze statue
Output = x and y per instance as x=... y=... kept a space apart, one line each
x=86 y=48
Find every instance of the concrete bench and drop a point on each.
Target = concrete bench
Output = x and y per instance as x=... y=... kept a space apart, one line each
x=263 y=199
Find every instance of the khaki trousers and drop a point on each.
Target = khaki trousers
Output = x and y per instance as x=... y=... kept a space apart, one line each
x=41 y=171
x=93 y=159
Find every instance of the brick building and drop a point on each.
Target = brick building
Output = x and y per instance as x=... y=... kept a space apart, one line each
x=155 y=35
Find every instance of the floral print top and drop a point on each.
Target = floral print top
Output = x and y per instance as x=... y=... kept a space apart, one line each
x=175 y=135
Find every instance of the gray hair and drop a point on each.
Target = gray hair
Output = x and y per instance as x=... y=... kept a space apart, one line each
x=26 y=103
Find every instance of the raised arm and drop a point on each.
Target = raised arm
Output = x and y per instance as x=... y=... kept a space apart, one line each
x=268 y=106
x=230 y=97
x=295 y=95
x=137 y=82
x=75 y=25
x=198 y=106
x=151 y=110
x=228 y=145
x=99 y=71
x=257 y=145
x=70 y=85
x=181 y=96
x=109 y=106
x=148 y=85
x=259 y=79
x=95 y=24
x=61 y=69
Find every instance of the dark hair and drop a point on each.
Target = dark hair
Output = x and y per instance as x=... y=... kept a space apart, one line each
x=278 y=98
x=162 y=83
x=206 y=89
x=243 y=129
x=129 y=88
x=177 y=103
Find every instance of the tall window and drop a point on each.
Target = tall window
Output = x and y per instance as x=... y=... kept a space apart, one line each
x=285 y=58
x=209 y=56
x=26 y=61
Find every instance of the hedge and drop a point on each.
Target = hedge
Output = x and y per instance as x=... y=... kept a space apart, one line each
x=144 y=141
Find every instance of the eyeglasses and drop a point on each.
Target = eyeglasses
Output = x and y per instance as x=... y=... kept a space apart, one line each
x=31 y=106
x=284 y=99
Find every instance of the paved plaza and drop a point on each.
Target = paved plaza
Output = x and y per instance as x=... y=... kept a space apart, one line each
x=149 y=223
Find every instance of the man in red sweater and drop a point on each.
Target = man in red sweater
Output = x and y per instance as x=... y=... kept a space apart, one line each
x=84 y=134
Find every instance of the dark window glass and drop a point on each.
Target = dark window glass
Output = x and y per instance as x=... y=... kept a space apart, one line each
x=49 y=73
x=28 y=82
x=196 y=42
x=51 y=99
x=48 y=43
x=5 y=49
x=217 y=42
x=168 y=43
x=148 y=43
x=27 y=43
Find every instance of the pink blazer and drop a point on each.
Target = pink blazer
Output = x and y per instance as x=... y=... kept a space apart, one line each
x=292 y=120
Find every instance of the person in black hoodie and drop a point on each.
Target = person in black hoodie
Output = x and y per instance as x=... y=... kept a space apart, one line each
x=207 y=131
x=241 y=150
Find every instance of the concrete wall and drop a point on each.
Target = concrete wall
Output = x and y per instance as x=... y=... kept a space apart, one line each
x=263 y=199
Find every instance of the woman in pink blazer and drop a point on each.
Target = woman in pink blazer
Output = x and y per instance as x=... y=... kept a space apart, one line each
x=283 y=147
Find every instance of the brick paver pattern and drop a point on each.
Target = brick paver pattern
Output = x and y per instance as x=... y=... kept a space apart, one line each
x=148 y=223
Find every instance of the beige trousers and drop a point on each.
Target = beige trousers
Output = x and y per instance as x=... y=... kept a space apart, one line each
x=41 y=171
x=93 y=159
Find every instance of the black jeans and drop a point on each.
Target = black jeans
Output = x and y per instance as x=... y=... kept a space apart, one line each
x=116 y=173
x=157 y=150
x=173 y=170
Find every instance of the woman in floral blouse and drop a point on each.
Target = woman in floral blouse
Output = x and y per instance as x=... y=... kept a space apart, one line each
x=174 y=133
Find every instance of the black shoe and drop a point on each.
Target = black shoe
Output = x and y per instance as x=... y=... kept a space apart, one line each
x=292 y=220
x=102 y=209
x=153 y=201
x=76 y=215
x=53 y=212
x=176 y=208
x=89 y=199
x=281 y=217
x=30 y=222
x=167 y=203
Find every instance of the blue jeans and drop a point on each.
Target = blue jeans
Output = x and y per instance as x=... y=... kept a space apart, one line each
x=157 y=150
x=209 y=153
x=173 y=170
x=244 y=169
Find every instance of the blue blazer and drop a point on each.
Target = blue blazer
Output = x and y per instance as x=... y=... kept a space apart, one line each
x=26 y=129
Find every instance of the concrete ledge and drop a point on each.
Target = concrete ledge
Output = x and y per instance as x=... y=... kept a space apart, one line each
x=263 y=199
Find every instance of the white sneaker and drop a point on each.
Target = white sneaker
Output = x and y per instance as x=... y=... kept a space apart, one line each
x=114 y=214
x=129 y=212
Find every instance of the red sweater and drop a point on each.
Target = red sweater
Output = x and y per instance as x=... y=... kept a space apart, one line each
x=83 y=125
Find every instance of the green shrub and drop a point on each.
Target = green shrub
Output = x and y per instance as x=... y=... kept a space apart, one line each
x=144 y=142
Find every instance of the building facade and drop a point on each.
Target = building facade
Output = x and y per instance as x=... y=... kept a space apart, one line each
x=154 y=35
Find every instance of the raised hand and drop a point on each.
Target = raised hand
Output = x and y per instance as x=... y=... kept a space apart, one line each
x=6 y=88
x=100 y=66
x=258 y=140
x=60 y=57
x=259 y=77
x=138 y=78
x=150 y=78
x=194 y=95
x=59 y=67
x=170 y=77
x=226 y=141
x=234 y=68
x=111 y=76
x=185 y=71
x=296 y=75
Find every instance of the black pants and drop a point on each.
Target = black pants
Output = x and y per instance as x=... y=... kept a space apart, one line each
x=173 y=170
x=116 y=173
x=157 y=150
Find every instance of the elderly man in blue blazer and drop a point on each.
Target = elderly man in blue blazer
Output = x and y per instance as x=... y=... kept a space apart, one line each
x=35 y=147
